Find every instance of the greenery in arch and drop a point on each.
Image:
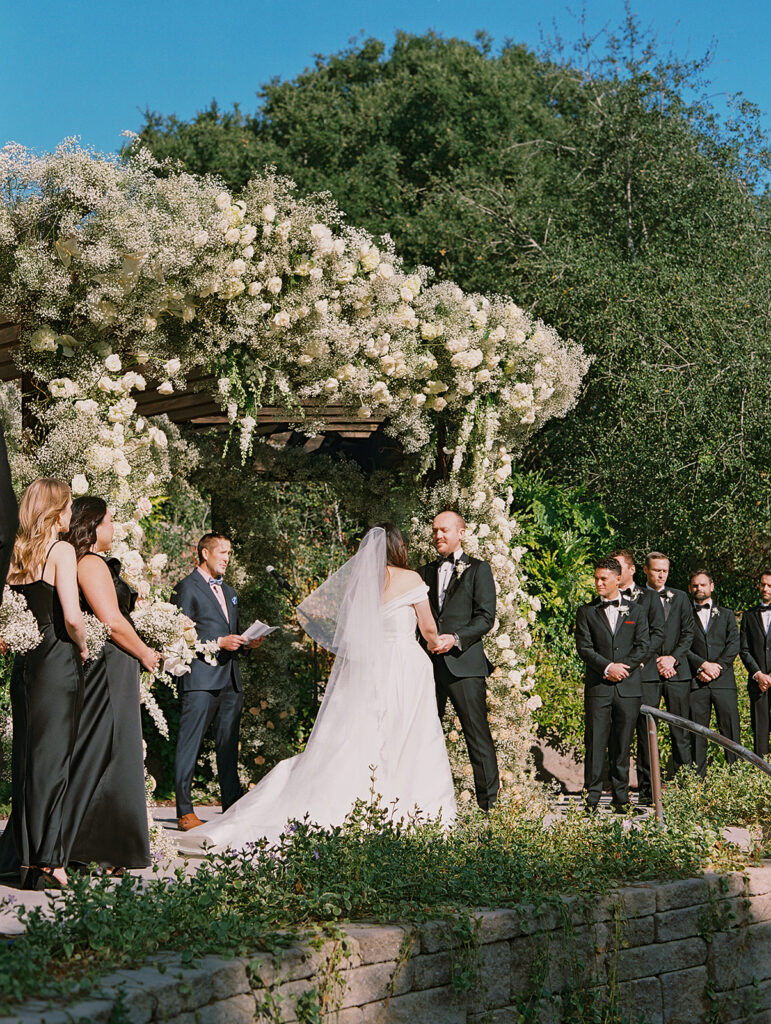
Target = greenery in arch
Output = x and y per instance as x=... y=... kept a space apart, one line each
x=122 y=271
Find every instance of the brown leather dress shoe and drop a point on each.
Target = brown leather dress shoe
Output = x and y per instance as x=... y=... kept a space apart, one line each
x=188 y=821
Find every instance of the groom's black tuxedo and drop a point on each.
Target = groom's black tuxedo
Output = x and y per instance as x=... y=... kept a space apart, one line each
x=208 y=691
x=468 y=611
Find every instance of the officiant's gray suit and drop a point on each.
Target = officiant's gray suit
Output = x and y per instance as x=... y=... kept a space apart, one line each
x=208 y=691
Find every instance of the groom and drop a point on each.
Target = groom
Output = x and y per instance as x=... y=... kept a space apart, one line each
x=210 y=691
x=461 y=592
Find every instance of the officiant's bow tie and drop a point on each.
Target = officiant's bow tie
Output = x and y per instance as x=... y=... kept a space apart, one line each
x=215 y=583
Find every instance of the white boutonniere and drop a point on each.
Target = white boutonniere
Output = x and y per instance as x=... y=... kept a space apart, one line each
x=668 y=597
x=460 y=568
x=715 y=612
x=623 y=609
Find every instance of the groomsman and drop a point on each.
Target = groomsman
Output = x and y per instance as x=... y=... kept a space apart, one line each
x=612 y=639
x=755 y=650
x=210 y=692
x=712 y=655
x=673 y=668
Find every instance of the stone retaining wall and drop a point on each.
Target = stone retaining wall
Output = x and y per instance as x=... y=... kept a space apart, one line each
x=691 y=951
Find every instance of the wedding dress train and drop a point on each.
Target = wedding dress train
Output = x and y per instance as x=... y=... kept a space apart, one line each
x=379 y=709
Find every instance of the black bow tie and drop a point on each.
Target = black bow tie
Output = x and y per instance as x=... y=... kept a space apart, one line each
x=447 y=560
x=611 y=604
x=628 y=592
x=703 y=607
x=765 y=607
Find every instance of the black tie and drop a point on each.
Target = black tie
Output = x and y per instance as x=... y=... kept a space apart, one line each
x=611 y=604
x=447 y=559
x=627 y=593
x=765 y=607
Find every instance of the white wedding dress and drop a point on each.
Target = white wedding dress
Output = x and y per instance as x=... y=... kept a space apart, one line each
x=379 y=709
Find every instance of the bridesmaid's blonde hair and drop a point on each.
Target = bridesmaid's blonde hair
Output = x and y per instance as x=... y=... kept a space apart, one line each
x=41 y=505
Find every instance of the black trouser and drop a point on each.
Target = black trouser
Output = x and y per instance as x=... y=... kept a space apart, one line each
x=760 y=716
x=609 y=722
x=676 y=693
x=468 y=697
x=726 y=708
x=199 y=707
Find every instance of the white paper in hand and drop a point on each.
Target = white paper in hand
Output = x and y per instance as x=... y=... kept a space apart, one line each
x=257 y=629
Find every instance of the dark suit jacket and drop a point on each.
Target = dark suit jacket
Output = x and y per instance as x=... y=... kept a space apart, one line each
x=9 y=514
x=719 y=644
x=656 y=623
x=194 y=596
x=468 y=610
x=678 y=629
x=597 y=647
x=754 y=644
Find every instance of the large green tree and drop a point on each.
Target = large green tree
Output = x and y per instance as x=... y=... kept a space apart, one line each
x=601 y=191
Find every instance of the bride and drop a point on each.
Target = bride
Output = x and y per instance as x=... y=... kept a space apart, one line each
x=379 y=708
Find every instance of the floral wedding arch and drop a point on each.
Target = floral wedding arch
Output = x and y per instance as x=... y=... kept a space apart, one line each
x=118 y=272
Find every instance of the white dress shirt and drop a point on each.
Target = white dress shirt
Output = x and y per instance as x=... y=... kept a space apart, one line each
x=704 y=611
x=446 y=569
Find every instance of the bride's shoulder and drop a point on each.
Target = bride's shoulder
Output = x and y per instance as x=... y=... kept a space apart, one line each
x=405 y=575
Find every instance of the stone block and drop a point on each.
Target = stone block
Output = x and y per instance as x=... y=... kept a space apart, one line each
x=742 y=1003
x=687 y=892
x=494 y=977
x=631 y=902
x=499 y=925
x=684 y=995
x=637 y=931
x=379 y=943
x=136 y=989
x=725 y=884
x=661 y=958
x=228 y=977
x=705 y=919
x=577 y=960
x=373 y=982
x=740 y=957
x=352 y=1015
x=759 y=880
x=434 y=937
x=529 y=965
x=289 y=993
x=433 y=1006
x=236 y=1010
x=431 y=970
x=505 y=1015
x=641 y=1001
x=758 y=908
x=546 y=918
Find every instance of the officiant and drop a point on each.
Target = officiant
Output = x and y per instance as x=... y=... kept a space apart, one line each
x=210 y=693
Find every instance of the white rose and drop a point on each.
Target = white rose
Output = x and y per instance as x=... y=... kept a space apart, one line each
x=248 y=234
x=247 y=252
x=237 y=267
x=223 y=201
x=482 y=376
x=533 y=703
x=418 y=400
x=79 y=485
x=269 y=214
x=438 y=404
x=167 y=388
x=200 y=239
x=255 y=288
x=113 y=363
x=386 y=271
x=331 y=384
x=158 y=437
x=62 y=387
x=105 y=384
x=274 y=285
x=232 y=236
x=43 y=340
x=87 y=406
x=282 y=319
x=121 y=467
x=172 y=366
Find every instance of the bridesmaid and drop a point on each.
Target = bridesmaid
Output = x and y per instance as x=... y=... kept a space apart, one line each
x=46 y=686
x=106 y=801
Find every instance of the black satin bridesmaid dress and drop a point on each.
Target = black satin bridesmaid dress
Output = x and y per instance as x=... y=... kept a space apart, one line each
x=106 y=801
x=46 y=702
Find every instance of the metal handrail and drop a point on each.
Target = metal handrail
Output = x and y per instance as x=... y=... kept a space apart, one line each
x=701 y=730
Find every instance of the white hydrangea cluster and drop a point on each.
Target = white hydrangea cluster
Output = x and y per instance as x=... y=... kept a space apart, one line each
x=18 y=626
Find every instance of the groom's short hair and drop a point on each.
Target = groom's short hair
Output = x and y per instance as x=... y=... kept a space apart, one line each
x=206 y=541
x=458 y=516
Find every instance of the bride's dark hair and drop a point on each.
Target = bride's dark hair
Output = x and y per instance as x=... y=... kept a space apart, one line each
x=396 y=546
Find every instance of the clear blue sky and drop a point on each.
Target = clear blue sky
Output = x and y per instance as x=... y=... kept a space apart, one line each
x=88 y=68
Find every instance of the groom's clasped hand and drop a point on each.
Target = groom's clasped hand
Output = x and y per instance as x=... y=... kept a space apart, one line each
x=443 y=644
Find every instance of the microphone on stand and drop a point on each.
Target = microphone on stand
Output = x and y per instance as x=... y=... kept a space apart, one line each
x=281 y=580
